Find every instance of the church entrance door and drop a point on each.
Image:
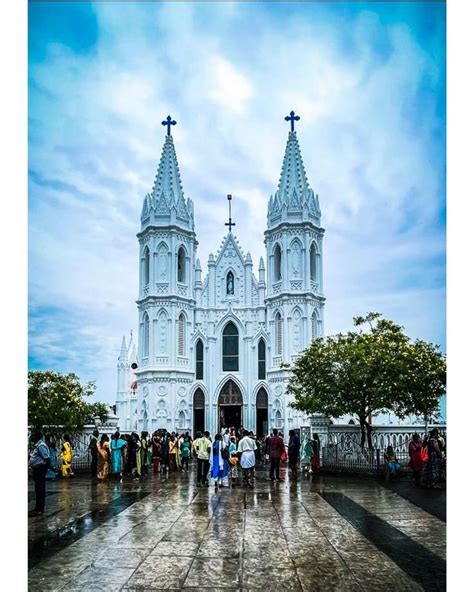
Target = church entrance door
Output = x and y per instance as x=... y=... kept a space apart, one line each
x=230 y=406
x=262 y=412
x=198 y=412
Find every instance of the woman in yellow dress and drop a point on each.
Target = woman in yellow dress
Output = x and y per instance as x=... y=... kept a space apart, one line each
x=103 y=465
x=66 y=457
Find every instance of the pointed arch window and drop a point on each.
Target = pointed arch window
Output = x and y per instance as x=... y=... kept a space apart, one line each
x=278 y=421
x=146 y=336
x=262 y=350
x=316 y=325
x=278 y=334
x=181 y=334
x=229 y=282
x=181 y=265
x=146 y=266
x=277 y=263
x=312 y=262
x=230 y=348
x=182 y=420
x=199 y=360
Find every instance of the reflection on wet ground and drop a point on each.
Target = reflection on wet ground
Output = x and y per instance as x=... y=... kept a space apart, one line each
x=331 y=533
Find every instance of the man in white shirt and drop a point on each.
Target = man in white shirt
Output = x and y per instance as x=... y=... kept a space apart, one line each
x=247 y=449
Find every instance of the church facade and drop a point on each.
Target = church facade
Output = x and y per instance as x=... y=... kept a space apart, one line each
x=211 y=344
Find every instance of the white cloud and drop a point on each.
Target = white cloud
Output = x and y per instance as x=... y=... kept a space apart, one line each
x=229 y=87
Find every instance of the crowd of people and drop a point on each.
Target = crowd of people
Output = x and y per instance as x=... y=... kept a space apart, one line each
x=227 y=460
x=427 y=460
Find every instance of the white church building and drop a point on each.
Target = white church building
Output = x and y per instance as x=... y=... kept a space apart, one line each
x=211 y=344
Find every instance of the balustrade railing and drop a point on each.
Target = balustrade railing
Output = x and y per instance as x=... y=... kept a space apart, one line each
x=342 y=450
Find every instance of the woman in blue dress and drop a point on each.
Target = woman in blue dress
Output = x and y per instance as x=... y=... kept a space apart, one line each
x=219 y=460
x=116 y=447
x=53 y=465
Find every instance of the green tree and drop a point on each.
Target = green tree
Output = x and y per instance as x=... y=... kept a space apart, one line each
x=366 y=372
x=94 y=410
x=58 y=402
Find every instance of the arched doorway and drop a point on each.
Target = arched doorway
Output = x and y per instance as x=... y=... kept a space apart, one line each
x=230 y=406
x=262 y=412
x=198 y=411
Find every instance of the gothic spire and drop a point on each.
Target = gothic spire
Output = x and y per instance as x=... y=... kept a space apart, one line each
x=294 y=199
x=168 y=179
x=166 y=203
x=123 y=357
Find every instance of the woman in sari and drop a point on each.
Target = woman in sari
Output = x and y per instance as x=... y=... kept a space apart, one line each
x=144 y=453
x=117 y=446
x=137 y=457
x=315 y=457
x=306 y=453
x=416 y=461
x=103 y=465
x=66 y=457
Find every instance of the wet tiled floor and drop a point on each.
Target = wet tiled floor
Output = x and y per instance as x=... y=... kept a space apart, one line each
x=324 y=534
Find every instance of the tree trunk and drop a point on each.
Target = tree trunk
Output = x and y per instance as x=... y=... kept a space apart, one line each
x=369 y=435
x=362 y=431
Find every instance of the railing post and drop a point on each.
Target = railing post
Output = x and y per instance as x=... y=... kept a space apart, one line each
x=378 y=459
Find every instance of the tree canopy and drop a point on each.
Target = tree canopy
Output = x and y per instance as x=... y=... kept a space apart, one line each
x=57 y=403
x=373 y=369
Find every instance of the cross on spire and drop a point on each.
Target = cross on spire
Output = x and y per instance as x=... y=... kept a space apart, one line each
x=230 y=223
x=292 y=118
x=169 y=122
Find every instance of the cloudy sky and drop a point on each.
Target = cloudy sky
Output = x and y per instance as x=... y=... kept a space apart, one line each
x=368 y=81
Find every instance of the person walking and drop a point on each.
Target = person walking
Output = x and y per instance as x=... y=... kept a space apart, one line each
x=117 y=449
x=275 y=447
x=246 y=449
x=127 y=468
x=66 y=457
x=416 y=462
x=294 y=446
x=165 y=453
x=306 y=453
x=233 y=462
x=39 y=463
x=219 y=461
x=144 y=452
x=156 y=452
x=315 y=456
x=179 y=440
x=103 y=466
x=202 y=449
x=173 y=446
x=53 y=462
x=94 y=453
x=136 y=457
x=185 y=450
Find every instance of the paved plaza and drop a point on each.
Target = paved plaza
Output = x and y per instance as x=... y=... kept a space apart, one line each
x=328 y=533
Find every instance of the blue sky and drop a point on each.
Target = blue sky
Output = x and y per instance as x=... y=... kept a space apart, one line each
x=368 y=81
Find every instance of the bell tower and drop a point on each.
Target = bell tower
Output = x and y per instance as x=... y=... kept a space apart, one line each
x=294 y=246
x=166 y=300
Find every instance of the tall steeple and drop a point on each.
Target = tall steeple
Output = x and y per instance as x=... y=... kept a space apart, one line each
x=166 y=203
x=294 y=200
